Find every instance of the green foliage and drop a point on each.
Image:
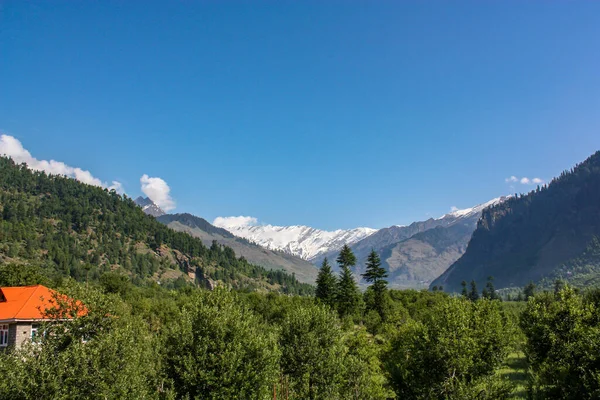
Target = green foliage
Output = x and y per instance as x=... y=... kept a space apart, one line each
x=473 y=293
x=376 y=275
x=563 y=344
x=69 y=229
x=21 y=275
x=489 y=292
x=363 y=375
x=454 y=348
x=118 y=360
x=312 y=352
x=220 y=349
x=551 y=232
x=348 y=297
x=326 y=284
x=346 y=258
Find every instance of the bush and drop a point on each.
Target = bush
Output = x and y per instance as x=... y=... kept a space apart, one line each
x=563 y=345
x=455 y=347
x=221 y=350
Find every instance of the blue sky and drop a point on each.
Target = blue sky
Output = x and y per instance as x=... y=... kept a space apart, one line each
x=330 y=114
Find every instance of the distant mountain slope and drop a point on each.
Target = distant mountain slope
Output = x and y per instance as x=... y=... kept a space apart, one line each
x=69 y=229
x=270 y=259
x=299 y=240
x=535 y=236
x=416 y=254
x=149 y=207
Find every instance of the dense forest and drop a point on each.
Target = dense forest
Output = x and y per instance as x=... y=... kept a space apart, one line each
x=71 y=229
x=551 y=232
x=152 y=342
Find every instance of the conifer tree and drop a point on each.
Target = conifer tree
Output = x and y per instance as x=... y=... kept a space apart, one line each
x=529 y=290
x=348 y=295
x=464 y=292
x=489 y=292
x=473 y=294
x=326 y=284
x=376 y=275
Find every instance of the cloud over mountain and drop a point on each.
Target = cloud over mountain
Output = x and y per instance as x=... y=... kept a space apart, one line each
x=524 y=180
x=232 y=222
x=158 y=191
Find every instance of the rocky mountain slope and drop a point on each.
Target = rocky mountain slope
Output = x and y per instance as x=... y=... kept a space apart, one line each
x=270 y=259
x=416 y=254
x=550 y=232
x=299 y=240
x=149 y=207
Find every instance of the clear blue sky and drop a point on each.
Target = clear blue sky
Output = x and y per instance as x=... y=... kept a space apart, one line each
x=331 y=114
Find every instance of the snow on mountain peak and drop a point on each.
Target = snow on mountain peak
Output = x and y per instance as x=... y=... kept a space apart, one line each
x=149 y=207
x=468 y=212
x=299 y=240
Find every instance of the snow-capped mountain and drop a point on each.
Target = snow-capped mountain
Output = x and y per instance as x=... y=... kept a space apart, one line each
x=418 y=253
x=299 y=240
x=473 y=211
x=149 y=207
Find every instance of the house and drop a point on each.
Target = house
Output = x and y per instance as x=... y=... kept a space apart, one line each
x=22 y=308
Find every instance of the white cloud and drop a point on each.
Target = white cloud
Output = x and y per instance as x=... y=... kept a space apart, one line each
x=158 y=191
x=12 y=147
x=232 y=222
x=453 y=208
x=524 y=181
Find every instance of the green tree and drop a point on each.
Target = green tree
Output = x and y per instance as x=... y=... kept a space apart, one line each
x=529 y=290
x=221 y=350
x=376 y=274
x=348 y=295
x=326 y=284
x=363 y=375
x=473 y=293
x=563 y=342
x=465 y=292
x=489 y=292
x=312 y=348
x=452 y=352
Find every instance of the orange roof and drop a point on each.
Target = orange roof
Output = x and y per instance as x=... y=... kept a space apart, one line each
x=26 y=302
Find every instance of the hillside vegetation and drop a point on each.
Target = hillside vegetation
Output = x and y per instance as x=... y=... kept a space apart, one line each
x=550 y=232
x=270 y=259
x=70 y=229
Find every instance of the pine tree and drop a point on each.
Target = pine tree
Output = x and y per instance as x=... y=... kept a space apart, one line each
x=376 y=275
x=348 y=295
x=490 y=292
x=473 y=294
x=465 y=292
x=529 y=290
x=326 y=284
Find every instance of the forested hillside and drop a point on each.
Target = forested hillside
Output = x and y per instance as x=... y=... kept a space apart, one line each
x=270 y=259
x=551 y=232
x=67 y=228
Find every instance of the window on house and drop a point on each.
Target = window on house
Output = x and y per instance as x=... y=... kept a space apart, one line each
x=3 y=335
x=34 y=332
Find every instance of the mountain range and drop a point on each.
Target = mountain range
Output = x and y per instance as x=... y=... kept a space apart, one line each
x=299 y=240
x=416 y=254
x=551 y=232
